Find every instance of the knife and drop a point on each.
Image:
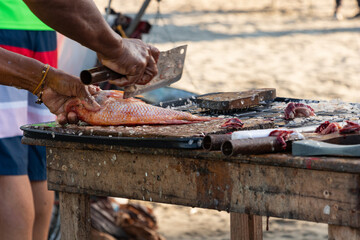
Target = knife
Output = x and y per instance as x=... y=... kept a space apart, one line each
x=343 y=145
x=170 y=67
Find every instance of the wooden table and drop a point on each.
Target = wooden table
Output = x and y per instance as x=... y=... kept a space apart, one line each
x=317 y=189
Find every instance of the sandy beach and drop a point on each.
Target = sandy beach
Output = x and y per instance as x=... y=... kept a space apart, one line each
x=293 y=46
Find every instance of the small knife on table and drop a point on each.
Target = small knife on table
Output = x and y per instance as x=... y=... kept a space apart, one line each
x=170 y=67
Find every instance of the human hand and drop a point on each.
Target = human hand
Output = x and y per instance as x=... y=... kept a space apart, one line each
x=59 y=88
x=135 y=59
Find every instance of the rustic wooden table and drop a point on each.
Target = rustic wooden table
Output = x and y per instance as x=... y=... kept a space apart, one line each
x=317 y=189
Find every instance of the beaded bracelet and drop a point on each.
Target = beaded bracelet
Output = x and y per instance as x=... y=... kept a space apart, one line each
x=41 y=83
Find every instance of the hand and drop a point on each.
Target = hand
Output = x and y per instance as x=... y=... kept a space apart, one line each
x=59 y=88
x=136 y=59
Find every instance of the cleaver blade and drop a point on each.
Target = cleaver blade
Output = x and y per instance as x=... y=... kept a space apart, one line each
x=170 y=68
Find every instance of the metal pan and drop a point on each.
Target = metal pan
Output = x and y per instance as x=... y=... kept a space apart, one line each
x=163 y=142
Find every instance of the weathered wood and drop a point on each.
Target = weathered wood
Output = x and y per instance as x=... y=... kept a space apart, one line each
x=236 y=100
x=333 y=164
x=239 y=226
x=342 y=233
x=255 y=227
x=245 y=227
x=75 y=216
x=74 y=131
x=303 y=194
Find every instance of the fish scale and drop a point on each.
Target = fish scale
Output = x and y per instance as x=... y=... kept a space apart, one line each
x=118 y=111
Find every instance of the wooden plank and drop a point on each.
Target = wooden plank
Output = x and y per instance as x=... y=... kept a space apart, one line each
x=255 y=227
x=239 y=226
x=341 y=233
x=75 y=216
x=303 y=194
x=147 y=131
x=333 y=164
x=245 y=227
x=224 y=101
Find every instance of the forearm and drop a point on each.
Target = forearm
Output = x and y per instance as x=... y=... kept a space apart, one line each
x=19 y=71
x=79 y=20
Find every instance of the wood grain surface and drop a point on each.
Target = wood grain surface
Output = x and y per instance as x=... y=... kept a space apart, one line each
x=184 y=130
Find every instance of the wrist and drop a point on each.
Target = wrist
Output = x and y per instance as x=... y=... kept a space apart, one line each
x=40 y=86
x=111 y=47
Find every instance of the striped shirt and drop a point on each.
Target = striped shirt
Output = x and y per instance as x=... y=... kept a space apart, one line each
x=17 y=107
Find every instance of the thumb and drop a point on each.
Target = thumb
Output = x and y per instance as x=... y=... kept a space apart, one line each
x=90 y=104
x=85 y=94
x=88 y=100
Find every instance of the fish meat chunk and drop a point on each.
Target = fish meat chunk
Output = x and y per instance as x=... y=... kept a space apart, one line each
x=294 y=110
x=328 y=127
x=131 y=111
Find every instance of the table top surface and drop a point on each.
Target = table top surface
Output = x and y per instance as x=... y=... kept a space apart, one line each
x=322 y=163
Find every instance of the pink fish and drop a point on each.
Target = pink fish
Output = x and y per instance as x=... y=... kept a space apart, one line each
x=118 y=111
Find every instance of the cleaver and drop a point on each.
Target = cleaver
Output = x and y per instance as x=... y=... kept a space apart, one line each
x=170 y=67
x=347 y=145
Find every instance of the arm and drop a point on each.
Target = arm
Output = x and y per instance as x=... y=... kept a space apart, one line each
x=81 y=21
x=25 y=73
x=19 y=71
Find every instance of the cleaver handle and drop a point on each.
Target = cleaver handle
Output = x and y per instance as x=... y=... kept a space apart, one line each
x=251 y=146
x=316 y=148
x=99 y=74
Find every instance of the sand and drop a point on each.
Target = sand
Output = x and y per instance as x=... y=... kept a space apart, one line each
x=234 y=45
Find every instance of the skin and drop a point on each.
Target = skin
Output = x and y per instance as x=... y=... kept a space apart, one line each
x=25 y=73
x=25 y=207
x=83 y=22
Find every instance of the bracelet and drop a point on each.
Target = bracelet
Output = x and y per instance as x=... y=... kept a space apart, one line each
x=41 y=83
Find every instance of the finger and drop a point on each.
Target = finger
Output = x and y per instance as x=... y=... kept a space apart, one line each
x=137 y=73
x=150 y=72
x=88 y=100
x=90 y=103
x=151 y=68
x=155 y=53
x=145 y=79
x=61 y=119
x=72 y=117
x=121 y=82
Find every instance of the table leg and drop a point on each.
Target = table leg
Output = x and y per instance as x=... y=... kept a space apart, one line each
x=75 y=216
x=341 y=232
x=245 y=227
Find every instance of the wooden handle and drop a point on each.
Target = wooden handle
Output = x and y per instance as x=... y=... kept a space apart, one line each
x=316 y=148
x=99 y=74
x=251 y=146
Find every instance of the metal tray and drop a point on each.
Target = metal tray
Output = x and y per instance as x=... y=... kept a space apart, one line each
x=163 y=142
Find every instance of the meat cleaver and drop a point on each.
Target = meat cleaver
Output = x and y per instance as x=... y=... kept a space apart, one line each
x=170 y=67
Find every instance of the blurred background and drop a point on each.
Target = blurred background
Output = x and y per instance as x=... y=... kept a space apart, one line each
x=296 y=46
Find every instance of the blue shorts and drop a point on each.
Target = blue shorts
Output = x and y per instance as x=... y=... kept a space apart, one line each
x=18 y=108
x=19 y=159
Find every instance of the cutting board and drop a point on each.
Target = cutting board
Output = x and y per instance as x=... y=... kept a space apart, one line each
x=174 y=136
x=225 y=101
